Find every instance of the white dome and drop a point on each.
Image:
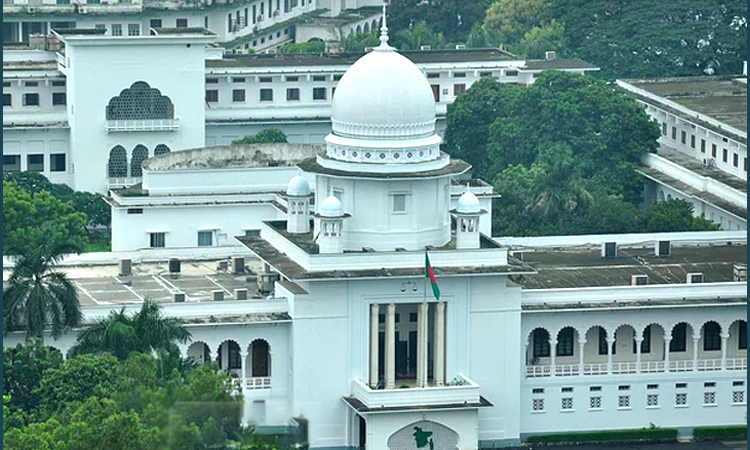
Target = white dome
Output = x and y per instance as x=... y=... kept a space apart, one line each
x=331 y=207
x=468 y=203
x=383 y=96
x=298 y=187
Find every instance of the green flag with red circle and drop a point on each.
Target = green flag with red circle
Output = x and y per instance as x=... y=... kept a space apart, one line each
x=429 y=272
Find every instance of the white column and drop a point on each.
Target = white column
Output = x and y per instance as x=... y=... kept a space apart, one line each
x=552 y=354
x=440 y=343
x=667 y=340
x=724 y=339
x=422 y=347
x=390 y=347
x=610 y=344
x=225 y=356
x=638 y=341
x=696 y=338
x=243 y=366
x=581 y=348
x=374 y=339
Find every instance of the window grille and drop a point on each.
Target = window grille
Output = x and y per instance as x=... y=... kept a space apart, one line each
x=537 y=404
x=292 y=94
x=161 y=149
x=319 y=78
x=738 y=397
x=623 y=401
x=292 y=79
x=116 y=28
x=134 y=29
x=212 y=96
x=181 y=23
x=623 y=387
x=566 y=403
x=7 y=100
x=140 y=102
x=31 y=99
x=459 y=89
x=35 y=163
x=595 y=402
x=266 y=95
x=118 y=162
x=652 y=400
x=58 y=98
x=140 y=154
x=680 y=399
x=537 y=391
x=238 y=95
x=158 y=240
x=319 y=93
x=709 y=398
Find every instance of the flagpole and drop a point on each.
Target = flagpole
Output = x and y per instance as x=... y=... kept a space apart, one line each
x=425 y=356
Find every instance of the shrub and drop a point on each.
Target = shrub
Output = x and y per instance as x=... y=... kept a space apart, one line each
x=643 y=434
x=710 y=433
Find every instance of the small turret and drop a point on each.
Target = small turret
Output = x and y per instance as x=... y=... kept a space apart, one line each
x=298 y=205
x=467 y=214
x=330 y=225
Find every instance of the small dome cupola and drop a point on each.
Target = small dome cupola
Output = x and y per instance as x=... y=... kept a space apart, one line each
x=467 y=214
x=298 y=187
x=330 y=222
x=298 y=205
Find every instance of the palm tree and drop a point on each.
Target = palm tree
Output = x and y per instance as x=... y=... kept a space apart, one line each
x=146 y=331
x=38 y=297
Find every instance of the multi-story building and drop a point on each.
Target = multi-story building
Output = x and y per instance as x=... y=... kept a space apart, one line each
x=511 y=337
x=703 y=144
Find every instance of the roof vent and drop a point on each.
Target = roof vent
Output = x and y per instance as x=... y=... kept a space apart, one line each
x=179 y=297
x=217 y=295
x=425 y=47
x=126 y=267
x=549 y=55
x=240 y=294
x=663 y=248
x=639 y=280
x=609 y=249
x=740 y=272
x=460 y=47
x=694 y=278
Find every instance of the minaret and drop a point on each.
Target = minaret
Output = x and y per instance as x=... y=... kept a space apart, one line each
x=467 y=214
x=298 y=205
x=330 y=225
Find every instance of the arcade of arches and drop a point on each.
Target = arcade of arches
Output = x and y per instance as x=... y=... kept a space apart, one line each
x=251 y=364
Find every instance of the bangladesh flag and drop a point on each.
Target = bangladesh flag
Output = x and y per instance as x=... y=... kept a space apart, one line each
x=430 y=273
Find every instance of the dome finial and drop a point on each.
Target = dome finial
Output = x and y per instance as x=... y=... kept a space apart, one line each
x=384 y=34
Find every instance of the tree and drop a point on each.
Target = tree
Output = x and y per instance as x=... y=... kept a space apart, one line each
x=357 y=42
x=23 y=366
x=468 y=121
x=38 y=297
x=121 y=334
x=509 y=20
x=674 y=215
x=303 y=47
x=454 y=18
x=23 y=217
x=539 y=40
x=265 y=136
x=646 y=38
x=417 y=36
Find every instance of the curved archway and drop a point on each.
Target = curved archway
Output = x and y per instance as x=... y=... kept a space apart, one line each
x=711 y=336
x=200 y=352
x=260 y=358
x=161 y=149
x=366 y=28
x=228 y=356
x=140 y=154
x=374 y=26
x=662 y=197
x=118 y=162
x=140 y=102
x=737 y=343
x=566 y=342
x=359 y=29
x=539 y=345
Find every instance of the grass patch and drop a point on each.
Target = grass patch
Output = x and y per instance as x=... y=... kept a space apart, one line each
x=98 y=242
x=738 y=433
x=639 y=435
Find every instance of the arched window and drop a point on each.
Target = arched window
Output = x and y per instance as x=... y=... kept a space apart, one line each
x=367 y=28
x=140 y=154
x=118 y=162
x=540 y=344
x=161 y=149
x=140 y=102
x=261 y=358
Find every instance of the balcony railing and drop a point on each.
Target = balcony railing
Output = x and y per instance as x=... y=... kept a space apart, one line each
x=116 y=183
x=114 y=126
x=467 y=393
x=62 y=61
x=702 y=365
x=258 y=383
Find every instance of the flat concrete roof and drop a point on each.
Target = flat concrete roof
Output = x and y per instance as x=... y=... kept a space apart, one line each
x=721 y=98
x=585 y=267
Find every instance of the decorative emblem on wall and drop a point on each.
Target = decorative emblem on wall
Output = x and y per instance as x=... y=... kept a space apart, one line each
x=424 y=435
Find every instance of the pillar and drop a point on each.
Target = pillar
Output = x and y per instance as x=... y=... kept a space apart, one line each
x=440 y=343
x=374 y=335
x=225 y=356
x=390 y=347
x=552 y=354
x=696 y=338
x=667 y=340
x=581 y=348
x=422 y=348
x=724 y=339
x=243 y=368
x=610 y=344
x=638 y=341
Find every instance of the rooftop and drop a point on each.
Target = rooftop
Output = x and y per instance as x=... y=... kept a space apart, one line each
x=719 y=97
x=558 y=63
x=234 y=157
x=585 y=267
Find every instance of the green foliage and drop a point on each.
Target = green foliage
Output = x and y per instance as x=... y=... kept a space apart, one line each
x=265 y=136
x=23 y=366
x=510 y=20
x=479 y=38
x=303 y=47
x=454 y=18
x=24 y=216
x=37 y=436
x=549 y=37
x=122 y=334
x=643 y=434
x=646 y=38
x=469 y=117
x=414 y=37
x=738 y=433
x=37 y=297
x=357 y=42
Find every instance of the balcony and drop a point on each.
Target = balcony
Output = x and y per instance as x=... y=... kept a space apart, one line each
x=123 y=182
x=464 y=393
x=624 y=368
x=254 y=383
x=115 y=126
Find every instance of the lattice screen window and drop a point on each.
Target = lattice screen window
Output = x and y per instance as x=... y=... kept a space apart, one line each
x=140 y=102
x=709 y=398
x=652 y=400
x=680 y=399
x=118 y=162
x=566 y=403
x=623 y=401
x=738 y=397
x=140 y=154
x=595 y=402
x=161 y=149
x=537 y=404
